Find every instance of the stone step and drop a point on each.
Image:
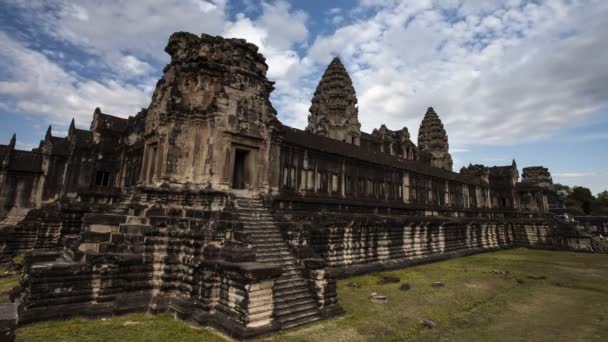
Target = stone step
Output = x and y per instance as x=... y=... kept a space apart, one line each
x=287 y=290
x=137 y=220
x=289 y=308
x=253 y=222
x=287 y=317
x=262 y=230
x=139 y=229
x=274 y=240
x=291 y=284
x=272 y=252
x=294 y=304
x=280 y=261
x=258 y=225
x=249 y=205
x=249 y=212
x=304 y=319
x=260 y=237
x=294 y=283
x=277 y=251
x=292 y=298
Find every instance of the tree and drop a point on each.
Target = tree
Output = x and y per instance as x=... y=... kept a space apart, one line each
x=561 y=190
x=600 y=206
x=580 y=201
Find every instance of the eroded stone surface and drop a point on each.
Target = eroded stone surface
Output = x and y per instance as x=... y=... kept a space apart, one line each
x=433 y=139
x=334 y=112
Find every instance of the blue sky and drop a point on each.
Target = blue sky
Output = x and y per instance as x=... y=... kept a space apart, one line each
x=510 y=79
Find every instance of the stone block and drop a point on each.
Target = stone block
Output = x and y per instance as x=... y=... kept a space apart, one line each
x=8 y=321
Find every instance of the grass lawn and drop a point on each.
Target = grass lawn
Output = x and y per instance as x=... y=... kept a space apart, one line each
x=135 y=327
x=480 y=301
x=6 y=285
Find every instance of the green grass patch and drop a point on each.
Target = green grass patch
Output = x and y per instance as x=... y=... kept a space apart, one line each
x=6 y=285
x=480 y=301
x=135 y=327
x=18 y=259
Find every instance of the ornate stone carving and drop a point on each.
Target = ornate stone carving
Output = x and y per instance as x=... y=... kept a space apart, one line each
x=396 y=143
x=433 y=139
x=333 y=112
x=537 y=175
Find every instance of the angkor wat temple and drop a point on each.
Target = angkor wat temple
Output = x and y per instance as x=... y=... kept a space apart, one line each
x=206 y=206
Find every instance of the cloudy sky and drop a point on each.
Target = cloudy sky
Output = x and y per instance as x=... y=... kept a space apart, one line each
x=523 y=79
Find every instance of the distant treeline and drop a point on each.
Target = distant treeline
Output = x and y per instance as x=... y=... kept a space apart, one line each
x=580 y=201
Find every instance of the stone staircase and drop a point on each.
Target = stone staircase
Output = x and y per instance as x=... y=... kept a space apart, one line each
x=294 y=304
x=14 y=216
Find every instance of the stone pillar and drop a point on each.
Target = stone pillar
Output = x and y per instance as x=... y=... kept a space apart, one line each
x=406 y=188
x=323 y=287
x=246 y=303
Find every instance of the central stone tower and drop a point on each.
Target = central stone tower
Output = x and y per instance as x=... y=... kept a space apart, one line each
x=333 y=112
x=432 y=139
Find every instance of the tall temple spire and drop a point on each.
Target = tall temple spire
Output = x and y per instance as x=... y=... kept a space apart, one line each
x=13 y=141
x=49 y=133
x=333 y=112
x=433 y=139
x=72 y=128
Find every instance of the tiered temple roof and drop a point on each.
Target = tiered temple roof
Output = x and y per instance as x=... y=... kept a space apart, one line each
x=333 y=112
x=433 y=139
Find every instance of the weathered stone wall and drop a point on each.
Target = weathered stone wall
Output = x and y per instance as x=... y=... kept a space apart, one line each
x=352 y=242
x=593 y=224
x=16 y=192
x=43 y=228
x=212 y=101
x=162 y=251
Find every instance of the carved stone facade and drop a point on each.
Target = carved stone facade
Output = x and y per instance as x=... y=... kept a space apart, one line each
x=432 y=139
x=206 y=206
x=537 y=175
x=211 y=106
x=396 y=143
x=334 y=112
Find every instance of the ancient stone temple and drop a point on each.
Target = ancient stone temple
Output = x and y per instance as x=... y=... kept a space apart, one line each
x=334 y=112
x=206 y=206
x=433 y=140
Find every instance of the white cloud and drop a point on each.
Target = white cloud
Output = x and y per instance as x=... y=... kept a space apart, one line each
x=574 y=174
x=277 y=32
x=38 y=86
x=114 y=30
x=133 y=65
x=496 y=72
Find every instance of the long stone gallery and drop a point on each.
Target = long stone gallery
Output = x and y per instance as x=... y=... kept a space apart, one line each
x=206 y=206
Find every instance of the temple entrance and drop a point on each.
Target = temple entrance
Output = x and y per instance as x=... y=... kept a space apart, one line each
x=238 y=173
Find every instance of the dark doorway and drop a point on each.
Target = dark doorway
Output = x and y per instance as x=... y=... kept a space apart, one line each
x=238 y=174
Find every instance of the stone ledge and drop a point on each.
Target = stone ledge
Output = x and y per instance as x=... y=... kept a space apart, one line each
x=8 y=321
x=342 y=272
x=249 y=270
